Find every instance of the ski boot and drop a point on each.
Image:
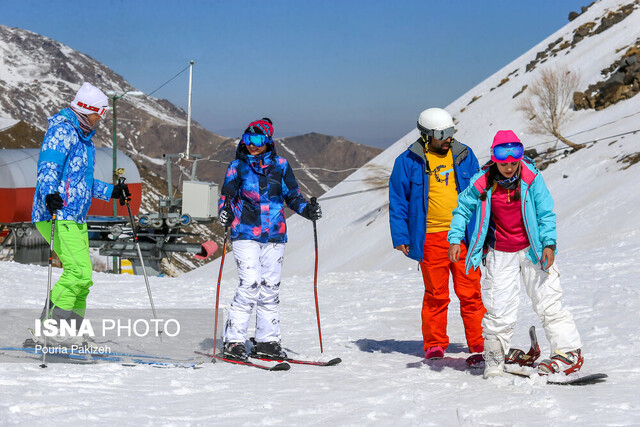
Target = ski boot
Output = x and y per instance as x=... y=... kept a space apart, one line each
x=235 y=351
x=493 y=358
x=84 y=340
x=268 y=350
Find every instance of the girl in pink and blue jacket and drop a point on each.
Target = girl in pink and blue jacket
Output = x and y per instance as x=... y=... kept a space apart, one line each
x=515 y=236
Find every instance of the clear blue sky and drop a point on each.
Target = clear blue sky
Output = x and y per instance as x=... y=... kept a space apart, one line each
x=354 y=68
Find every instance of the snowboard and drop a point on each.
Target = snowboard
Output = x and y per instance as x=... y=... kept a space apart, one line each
x=519 y=363
x=576 y=378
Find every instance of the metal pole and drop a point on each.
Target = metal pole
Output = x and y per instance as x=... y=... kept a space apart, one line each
x=115 y=152
x=46 y=304
x=215 y=326
x=315 y=276
x=227 y=202
x=144 y=270
x=189 y=109
x=169 y=179
x=114 y=98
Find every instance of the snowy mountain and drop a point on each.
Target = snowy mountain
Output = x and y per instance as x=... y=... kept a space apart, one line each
x=39 y=76
x=370 y=295
x=591 y=176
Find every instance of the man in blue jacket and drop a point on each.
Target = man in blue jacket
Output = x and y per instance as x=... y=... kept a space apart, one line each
x=423 y=191
x=65 y=185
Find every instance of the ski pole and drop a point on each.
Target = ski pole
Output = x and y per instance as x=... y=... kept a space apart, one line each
x=124 y=199
x=46 y=304
x=315 y=274
x=227 y=201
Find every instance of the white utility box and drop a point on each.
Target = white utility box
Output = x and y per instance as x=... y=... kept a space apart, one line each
x=200 y=199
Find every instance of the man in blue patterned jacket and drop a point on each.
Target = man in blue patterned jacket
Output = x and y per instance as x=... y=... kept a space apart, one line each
x=257 y=185
x=65 y=185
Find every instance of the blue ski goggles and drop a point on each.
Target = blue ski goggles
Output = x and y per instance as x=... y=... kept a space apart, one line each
x=255 y=139
x=502 y=152
x=441 y=134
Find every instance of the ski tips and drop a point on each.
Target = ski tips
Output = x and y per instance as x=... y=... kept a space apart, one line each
x=281 y=367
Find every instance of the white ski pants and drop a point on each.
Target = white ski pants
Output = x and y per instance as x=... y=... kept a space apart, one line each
x=259 y=267
x=501 y=298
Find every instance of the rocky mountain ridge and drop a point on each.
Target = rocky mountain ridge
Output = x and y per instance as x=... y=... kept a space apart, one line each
x=39 y=76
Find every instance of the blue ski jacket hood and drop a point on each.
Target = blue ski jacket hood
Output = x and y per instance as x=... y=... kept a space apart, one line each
x=66 y=164
x=409 y=193
x=258 y=187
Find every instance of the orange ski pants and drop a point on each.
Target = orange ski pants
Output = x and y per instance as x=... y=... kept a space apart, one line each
x=435 y=268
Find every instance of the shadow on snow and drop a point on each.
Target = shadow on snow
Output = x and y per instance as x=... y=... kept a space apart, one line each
x=415 y=348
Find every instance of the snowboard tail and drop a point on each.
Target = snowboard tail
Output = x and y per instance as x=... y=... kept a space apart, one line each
x=577 y=378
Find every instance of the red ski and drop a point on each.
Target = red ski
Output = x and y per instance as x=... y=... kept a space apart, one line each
x=279 y=367
x=331 y=362
x=292 y=360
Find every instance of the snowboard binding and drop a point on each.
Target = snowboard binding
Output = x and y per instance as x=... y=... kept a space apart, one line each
x=519 y=357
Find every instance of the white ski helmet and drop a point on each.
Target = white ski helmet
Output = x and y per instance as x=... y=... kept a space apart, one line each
x=436 y=123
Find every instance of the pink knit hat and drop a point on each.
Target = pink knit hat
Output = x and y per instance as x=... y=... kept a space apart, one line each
x=512 y=148
x=263 y=126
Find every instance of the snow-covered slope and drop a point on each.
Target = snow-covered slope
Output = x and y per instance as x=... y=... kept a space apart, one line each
x=6 y=123
x=370 y=298
x=586 y=185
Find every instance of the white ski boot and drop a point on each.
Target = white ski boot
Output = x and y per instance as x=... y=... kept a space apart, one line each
x=493 y=358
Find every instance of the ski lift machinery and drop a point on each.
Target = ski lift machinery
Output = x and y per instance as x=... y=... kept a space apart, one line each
x=199 y=200
x=159 y=230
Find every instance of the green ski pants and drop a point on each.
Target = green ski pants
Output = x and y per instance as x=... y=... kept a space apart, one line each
x=71 y=244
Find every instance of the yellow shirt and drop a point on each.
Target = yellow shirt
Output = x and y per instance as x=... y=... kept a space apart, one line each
x=443 y=196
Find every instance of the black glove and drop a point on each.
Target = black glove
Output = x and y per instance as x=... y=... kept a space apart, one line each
x=53 y=202
x=121 y=191
x=312 y=211
x=226 y=217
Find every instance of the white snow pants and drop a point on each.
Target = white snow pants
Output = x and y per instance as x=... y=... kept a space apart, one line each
x=259 y=267
x=501 y=298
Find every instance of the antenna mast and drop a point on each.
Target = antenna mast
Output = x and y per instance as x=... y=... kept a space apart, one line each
x=189 y=109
